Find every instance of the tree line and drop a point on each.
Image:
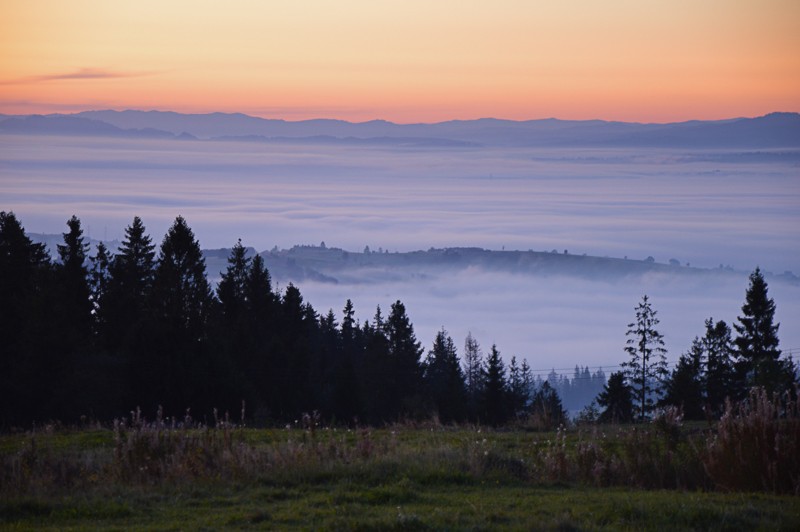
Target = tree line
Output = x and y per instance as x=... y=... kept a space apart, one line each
x=717 y=367
x=97 y=334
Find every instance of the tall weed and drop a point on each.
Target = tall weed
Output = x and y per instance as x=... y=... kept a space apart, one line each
x=756 y=446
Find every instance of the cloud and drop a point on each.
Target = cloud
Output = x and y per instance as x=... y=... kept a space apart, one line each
x=79 y=74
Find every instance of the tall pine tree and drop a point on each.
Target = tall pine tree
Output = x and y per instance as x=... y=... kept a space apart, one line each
x=405 y=351
x=177 y=364
x=495 y=391
x=616 y=399
x=756 y=342
x=26 y=375
x=646 y=370
x=444 y=380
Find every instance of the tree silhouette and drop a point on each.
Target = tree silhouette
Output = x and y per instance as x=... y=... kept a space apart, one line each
x=647 y=368
x=26 y=377
x=546 y=407
x=125 y=304
x=617 y=400
x=405 y=378
x=719 y=378
x=176 y=362
x=495 y=389
x=232 y=288
x=73 y=308
x=756 y=342
x=444 y=380
x=473 y=375
x=73 y=283
x=99 y=278
x=518 y=387
x=684 y=387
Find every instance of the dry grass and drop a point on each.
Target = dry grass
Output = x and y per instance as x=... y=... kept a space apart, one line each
x=755 y=447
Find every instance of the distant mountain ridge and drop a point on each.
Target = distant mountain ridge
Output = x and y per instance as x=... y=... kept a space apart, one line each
x=775 y=130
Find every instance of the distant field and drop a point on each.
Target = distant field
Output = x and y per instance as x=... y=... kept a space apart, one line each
x=399 y=478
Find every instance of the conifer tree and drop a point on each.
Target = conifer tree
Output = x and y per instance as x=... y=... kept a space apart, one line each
x=495 y=390
x=232 y=288
x=617 y=400
x=646 y=370
x=125 y=305
x=375 y=372
x=99 y=278
x=25 y=314
x=404 y=352
x=72 y=326
x=473 y=375
x=183 y=295
x=546 y=408
x=176 y=361
x=263 y=325
x=298 y=330
x=75 y=308
x=346 y=389
x=756 y=342
x=719 y=378
x=260 y=299
x=518 y=390
x=444 y=380
x=684 y=387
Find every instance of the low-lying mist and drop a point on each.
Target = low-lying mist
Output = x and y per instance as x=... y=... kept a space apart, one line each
x=704 y=207
x=557 y=322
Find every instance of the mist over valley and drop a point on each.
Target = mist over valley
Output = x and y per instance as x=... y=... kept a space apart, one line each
x=477 y=226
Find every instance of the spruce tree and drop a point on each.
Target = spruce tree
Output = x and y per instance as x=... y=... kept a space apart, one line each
x=125 y=305
x=73 y=326
x=175 y=361
x=719 y=377
x=518 y=391
x=182 y=294
x=260 y=299
x=646 y=370
x=546 y=409
x=444 y=380
x=72 y=282
x=616 y=399
x=405 y=379
x=495 y=390
x=375 y=371
x=759 y=361
x=297 y=332
x=684 y=388
x=26 y=341
x=232 y=288
x=99 y=278
x=473 y=375
x=346 y=391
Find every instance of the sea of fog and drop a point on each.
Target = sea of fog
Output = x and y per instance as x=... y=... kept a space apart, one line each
x=706 y=208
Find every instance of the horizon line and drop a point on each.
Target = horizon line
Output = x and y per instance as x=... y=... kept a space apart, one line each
x=329 y=119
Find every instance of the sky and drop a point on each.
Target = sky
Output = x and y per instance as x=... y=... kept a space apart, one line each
x=404 y=61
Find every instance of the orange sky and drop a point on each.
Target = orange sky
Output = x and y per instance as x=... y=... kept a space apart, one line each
x=406 y=60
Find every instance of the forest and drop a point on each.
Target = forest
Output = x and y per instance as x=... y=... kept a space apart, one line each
x=93 y=334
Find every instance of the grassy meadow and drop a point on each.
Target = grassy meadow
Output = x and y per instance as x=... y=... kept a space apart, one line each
x=738 y=473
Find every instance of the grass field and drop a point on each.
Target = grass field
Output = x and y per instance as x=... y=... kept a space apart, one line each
x=160 y=475
x=399 y=505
